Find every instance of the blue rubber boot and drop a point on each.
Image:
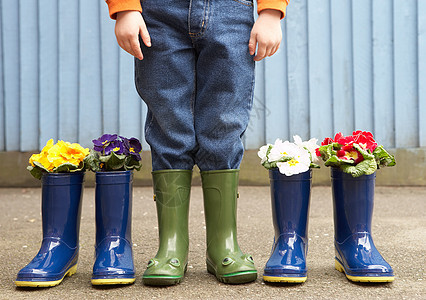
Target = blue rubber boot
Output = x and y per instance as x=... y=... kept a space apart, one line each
x=113 y=250
x=290 y=197
x=356 y=255
x=60 y=210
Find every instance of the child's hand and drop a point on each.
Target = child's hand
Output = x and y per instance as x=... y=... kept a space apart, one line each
x=266 y=34
x=128 y=26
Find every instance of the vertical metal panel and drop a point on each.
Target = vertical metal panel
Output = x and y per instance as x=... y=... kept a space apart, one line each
x=406 y=71
x=383 y=73
x=68 y=70
x=48 y=71
x=320 y=72
x=362 y=64
x=90 y=103
x=341 y=29
x=343 y=65
x=10 y=32
x=130 y=123
x=255 y=132
x=28 y=42
x=144 y=111
x=109 y=75
x=276 y=93
x=421 y=17
x=2 y=115
x=298 y=85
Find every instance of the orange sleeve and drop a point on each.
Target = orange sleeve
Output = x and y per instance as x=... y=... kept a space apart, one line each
x=116 y=6
x=280 y=5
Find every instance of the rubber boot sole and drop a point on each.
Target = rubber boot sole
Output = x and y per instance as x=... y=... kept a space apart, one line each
x=71 y=271
x=340 y=268
x=161 y=280
x=284 y=279
x=112 y=281
x=233 y=278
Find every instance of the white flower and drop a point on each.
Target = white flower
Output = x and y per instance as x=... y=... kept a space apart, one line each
x=262 y=153
x=298 y=164
x=310 y=145
x=280 y=150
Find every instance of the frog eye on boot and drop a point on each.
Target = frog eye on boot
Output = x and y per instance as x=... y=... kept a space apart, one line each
x=250 y=259
x=227 y=261
x=175 y=262
x=151 y=263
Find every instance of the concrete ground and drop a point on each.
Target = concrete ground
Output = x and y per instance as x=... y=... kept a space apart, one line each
x=399 y=231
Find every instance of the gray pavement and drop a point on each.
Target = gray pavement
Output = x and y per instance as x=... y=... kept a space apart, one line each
x=399 y=232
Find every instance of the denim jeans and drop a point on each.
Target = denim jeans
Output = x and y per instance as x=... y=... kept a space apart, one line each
x=197 y=80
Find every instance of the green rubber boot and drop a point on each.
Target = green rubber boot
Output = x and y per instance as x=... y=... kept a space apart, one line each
x=171 y=193
x=224 y=257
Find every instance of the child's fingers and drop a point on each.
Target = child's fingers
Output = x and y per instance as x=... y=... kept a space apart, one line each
x=261 y=53
x=274 y=50
x=252 y=43
x=135 y=48
x=143 y=31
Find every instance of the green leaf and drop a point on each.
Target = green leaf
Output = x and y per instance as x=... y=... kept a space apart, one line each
x=366 y=154
x=81 y=167
x=269 y=150
x=272 y=165
x=65 y=168
x=131 y=163
x=92 y=161
x=334 y=161
x=39 y=165
x=327 y=151
x=383 y=158
x=36 y=171
x=366 y=167
x=314 y=166
x=113 y=161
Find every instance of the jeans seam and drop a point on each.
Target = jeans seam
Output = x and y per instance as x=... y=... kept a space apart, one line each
x=148 y=123
x=205 y=20
x=245 y=2
x=192 y=103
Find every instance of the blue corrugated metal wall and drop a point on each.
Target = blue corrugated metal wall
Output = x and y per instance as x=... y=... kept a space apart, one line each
x=343 y=65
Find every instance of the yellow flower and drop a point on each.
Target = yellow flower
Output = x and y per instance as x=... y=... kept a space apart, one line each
x=42 y=157
x=46 y=148
x=54 y=155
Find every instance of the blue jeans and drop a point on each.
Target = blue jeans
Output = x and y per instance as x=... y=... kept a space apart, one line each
x=197 y=80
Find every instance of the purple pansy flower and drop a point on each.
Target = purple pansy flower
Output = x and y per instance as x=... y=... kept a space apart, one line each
x=134 y=147
x=101 y=143
x=128 y=151
x=116 y=146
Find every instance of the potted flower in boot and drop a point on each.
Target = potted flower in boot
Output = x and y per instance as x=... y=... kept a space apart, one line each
x=60 y=167
x=114 y=158
x=354 y=160
x=290 y=172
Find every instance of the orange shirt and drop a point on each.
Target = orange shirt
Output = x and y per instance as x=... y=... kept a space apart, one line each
x=116 y=6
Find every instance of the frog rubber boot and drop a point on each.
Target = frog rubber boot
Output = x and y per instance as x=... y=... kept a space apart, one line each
x=225 y=259
x=171 y=193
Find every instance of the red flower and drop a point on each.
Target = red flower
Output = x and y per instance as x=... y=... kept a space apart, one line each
x=340 y=139
x=344 y=140
x=341 y=153
x=353 y=154
x=326 y=141
x=365 y=139
x=347 y=147
x=317 y=152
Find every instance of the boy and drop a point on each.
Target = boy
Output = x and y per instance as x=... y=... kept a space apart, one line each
x=197 y=79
